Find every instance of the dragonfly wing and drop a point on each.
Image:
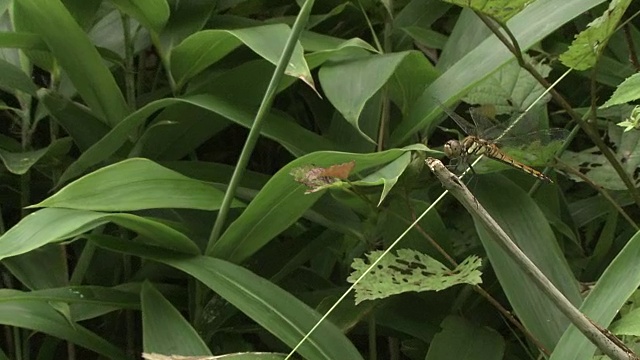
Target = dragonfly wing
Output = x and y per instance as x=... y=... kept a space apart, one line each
x=535 y=148
x=466 y=126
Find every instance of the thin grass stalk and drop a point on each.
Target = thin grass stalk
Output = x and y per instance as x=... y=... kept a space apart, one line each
x=254 y=132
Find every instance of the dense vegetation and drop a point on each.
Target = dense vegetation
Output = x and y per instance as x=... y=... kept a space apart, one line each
x=214 y=177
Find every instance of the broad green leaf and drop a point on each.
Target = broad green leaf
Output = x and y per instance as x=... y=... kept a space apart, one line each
x=271 y=307
x=416 y=18
x=529 y=26
x=409 y=270
x=13 y=79
x=387 y=176
x=97 y=295
x=322 y=48
x=42 y=317
x=499 y=10
x=590 y=43
x=462 y=340
x=135 y=184
x=282 y=201
x=236 y=356
x=592 y=164
x=524 y=222
x=53 y=225
x=349 y=84
x=187 y=17
x=20 y=163
x=188 y=127
x=511 y=89
x=22 y=40
x=295 y=138
x=427 y=38
x=51 y=270
x=409 y=81
x=206 y=47
x=65 y=39
x=152 y=15
x=629 y=324
x=614 y=287
x=83 y=11
x=626 y=92
x=78 y=121
x=158 y=315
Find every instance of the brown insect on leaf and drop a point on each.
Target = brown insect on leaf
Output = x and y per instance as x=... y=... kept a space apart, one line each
x=317 y=178
x=341 y=171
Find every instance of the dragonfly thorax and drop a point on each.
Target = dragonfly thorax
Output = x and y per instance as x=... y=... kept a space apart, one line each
x=470 y=145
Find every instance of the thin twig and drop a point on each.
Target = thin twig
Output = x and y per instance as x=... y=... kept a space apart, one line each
x=566 y=167
x=602 y=338
x=633 y=57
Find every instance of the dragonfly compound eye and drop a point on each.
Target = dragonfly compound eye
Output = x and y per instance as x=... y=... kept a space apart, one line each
x=452 y=149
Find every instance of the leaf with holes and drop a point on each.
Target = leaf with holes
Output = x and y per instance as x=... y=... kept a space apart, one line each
x=590 y=43
x=409 y=271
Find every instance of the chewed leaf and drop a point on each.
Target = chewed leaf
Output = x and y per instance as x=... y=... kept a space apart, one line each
x=409 y=271
x=590 y=43
x=318 y=178
x=500 y=10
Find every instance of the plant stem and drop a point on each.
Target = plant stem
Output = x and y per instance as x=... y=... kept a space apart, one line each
x=602 y=338
x=254 y=132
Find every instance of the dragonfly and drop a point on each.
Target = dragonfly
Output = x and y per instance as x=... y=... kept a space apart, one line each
x=479 y=142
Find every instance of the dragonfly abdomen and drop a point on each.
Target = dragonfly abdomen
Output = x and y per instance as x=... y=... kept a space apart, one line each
x=476 y=146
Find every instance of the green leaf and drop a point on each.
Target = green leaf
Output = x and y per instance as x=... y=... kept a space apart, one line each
x=592 y=164
x=626 y=92
x=51 y=270
x=525 y=223
x=13 y=79
x=349 y=84
x=480 y=343
x=65 y=39
x=152 y=15
x=529 y=26
x=282 y=201
x=629 y=324
x=237 y=356
x=295 y=138
x=158 y=315
x=206 y=47
x=589 y=44
x=409 y=81
x=52 y=225
x=616 y=284
x=83 y=126
x=20 y=163
x=499 y=10
x=409 y=271
x=387 y=176
x=40 y=316
x=135 y=184
x=511 y=89
x=271 y=307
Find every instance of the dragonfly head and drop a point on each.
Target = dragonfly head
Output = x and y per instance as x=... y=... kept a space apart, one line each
x=453 y=149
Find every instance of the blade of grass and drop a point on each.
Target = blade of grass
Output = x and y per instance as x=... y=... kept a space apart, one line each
x=252 y=138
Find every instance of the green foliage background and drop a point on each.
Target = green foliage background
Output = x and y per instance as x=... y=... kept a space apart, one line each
x=147 y=202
